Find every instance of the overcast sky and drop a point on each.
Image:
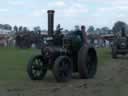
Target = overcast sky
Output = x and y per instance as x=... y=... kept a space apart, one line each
x=68 y=12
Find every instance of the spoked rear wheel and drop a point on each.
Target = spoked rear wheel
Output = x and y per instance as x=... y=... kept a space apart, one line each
x=36 y=68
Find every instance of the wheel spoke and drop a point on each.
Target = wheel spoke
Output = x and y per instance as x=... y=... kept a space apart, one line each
x=37 y=73
x=39 y=62
x=37 y=66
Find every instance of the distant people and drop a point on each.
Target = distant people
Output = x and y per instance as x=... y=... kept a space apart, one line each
x=33 y=45
x=104 y=43
x=18 y=40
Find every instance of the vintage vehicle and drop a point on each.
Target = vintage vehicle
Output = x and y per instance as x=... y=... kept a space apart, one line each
x=120 y=44
x=63 y=58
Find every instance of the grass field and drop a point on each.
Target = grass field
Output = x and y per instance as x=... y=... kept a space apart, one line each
x=104 y=55
x=13 y=62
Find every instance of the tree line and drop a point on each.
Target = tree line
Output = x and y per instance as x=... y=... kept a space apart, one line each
x=91 y=29
x=25 y=38
x=19 y=28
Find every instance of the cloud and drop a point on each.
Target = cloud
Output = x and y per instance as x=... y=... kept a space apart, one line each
x=57 y=4
x=105 y=9
x=66 y=9
x=16 y=2
x=3 y=10
x=96 y=14
x=75 y=10
x=125 y=8
x=38 y=13
x=110 y=1
x=120 y=15
x=113 y=9
x=119 y=2
x=60 y=3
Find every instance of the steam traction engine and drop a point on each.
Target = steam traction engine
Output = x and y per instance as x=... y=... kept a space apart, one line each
x=120 y=44
x=63 y=58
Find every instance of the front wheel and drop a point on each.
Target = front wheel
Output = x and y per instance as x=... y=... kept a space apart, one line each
x=62 y=69
x=36 y=68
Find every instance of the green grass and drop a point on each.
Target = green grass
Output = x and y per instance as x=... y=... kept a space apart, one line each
x=104 y=55
x=13 y=62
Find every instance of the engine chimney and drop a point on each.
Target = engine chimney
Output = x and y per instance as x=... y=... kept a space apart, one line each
x=50 y=22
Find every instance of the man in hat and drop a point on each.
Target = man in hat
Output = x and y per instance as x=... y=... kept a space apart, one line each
x=84 y=34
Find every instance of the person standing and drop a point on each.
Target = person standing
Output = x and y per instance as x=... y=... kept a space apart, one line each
x=84 y=34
